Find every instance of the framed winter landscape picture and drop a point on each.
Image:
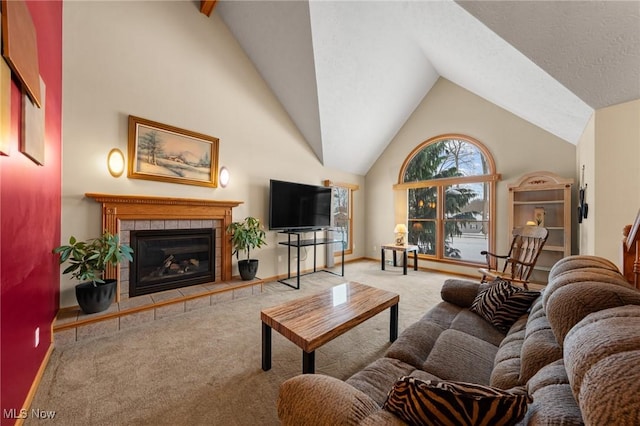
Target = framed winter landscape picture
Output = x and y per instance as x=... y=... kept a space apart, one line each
x=169 y=154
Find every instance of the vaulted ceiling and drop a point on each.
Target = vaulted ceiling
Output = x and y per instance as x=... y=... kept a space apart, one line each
x=350 y=73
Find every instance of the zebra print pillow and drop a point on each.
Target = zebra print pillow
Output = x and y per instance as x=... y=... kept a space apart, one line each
x=503 y=303
x=446 y=403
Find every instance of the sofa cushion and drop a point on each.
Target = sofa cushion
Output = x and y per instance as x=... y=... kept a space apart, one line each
x=553 y=401
x=537 y=309
x=571 y=303
x=506 y=369
x=609 y=392
x=468 y=322
x=442 y=314
x=460 y=292
x=519 y=325
x=431 y=402
x=415 y=343
x=539 y=346
x=503 y=303
x=380 y=417
x=377 y=378
x=304 y=399
x=580 y=261
x=602 y=354
x=461 y=357
x=584 y=274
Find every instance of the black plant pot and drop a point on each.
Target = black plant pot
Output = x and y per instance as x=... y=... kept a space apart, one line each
x=98 y=298
x=248 y=268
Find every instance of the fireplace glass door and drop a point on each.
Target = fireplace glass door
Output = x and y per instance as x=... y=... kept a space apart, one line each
x=168 y=259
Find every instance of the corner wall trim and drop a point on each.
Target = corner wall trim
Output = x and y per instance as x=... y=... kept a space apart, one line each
x=36 y=382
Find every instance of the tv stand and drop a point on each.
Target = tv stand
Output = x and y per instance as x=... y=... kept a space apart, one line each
x=297 y=242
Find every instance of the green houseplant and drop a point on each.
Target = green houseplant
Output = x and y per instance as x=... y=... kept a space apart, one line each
x=246 y=236
x=87 y=262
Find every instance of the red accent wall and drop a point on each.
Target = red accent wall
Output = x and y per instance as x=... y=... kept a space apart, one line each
x=30 y=226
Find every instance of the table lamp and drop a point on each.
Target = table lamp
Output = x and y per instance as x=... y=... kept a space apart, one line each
x=400 y=231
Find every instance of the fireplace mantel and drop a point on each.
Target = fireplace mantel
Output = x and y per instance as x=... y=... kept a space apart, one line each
x=138 y=207
x=164 y=201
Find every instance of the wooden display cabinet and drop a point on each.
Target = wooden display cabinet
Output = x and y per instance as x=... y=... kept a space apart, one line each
x=544 y=199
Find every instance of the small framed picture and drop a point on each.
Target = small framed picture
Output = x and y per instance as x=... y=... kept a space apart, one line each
x=538 y=216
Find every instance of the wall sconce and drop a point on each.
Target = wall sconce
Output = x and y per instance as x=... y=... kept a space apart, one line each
x=224 y=177
x=401 y=231
x=115 y=162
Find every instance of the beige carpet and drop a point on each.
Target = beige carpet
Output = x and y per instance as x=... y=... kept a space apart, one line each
x=204 y=367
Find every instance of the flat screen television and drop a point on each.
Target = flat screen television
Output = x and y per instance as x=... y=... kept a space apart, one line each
x=297 y=206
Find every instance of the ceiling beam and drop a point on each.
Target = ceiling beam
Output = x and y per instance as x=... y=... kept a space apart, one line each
x=206 y=6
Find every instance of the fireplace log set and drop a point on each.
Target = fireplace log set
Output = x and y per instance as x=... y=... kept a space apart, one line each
x=173 y=266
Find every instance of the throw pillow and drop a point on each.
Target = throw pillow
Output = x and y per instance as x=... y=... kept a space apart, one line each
x=503 y=303
x=447 y=403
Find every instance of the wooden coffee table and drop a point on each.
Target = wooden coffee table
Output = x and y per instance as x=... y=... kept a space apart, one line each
x=312 y=321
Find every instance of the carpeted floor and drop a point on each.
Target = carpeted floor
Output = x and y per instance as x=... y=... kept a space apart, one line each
x=204 y=367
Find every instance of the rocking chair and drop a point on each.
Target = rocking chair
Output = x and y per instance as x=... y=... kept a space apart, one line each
x=525 y=248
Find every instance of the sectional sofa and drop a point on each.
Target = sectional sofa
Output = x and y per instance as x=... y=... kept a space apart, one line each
x=575 y=353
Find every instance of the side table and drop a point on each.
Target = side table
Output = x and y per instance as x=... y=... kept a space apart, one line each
x=405 y=249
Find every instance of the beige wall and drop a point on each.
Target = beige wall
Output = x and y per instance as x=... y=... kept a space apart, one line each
x=517 y=146
x=610 y=151
x=123 y=58
x=586 y=158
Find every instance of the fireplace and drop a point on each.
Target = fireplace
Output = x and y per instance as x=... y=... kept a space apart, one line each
x=124 y=213
x=171 y=258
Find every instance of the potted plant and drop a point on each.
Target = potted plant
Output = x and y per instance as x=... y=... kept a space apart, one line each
x=87 y=263
x=245 y=236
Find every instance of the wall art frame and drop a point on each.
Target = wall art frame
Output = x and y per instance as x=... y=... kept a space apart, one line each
x=5 y=107
x=165 y=153
x=32 y=141
x=20 y=46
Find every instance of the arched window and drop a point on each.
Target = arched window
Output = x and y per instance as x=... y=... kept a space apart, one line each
x=450 y=185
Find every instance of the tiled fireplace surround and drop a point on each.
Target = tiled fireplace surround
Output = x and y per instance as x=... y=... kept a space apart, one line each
x=124 y=213
x=126 y=226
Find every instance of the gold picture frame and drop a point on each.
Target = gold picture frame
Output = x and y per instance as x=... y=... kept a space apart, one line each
x=169 y=154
